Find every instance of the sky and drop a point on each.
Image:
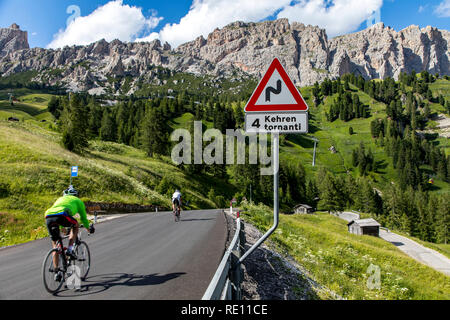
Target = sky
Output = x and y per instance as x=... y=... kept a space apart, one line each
x=56 y=23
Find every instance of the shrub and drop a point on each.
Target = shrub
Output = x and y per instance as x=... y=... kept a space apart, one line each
x=4 y=190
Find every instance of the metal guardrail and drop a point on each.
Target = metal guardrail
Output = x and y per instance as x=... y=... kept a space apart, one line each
x=226 y=283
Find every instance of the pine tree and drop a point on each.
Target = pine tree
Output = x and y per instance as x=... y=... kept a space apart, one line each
x=94 y=120
x=121 y=120
x=362 y=160
x=330 y=194
x=442 y=219
x=312 y=193
x=107 y=129
x=430 y=95
x=75 y=135
x=154 y=133
x=441 y=100
x=355 y=158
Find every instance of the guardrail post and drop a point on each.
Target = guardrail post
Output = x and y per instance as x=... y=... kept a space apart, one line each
x=242 y=239
x=236 y=275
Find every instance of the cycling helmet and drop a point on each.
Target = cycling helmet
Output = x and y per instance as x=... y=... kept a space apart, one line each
x=71 y=191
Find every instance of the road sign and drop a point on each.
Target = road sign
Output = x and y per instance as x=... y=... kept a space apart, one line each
x=276 y=92
x=292 y=122
x=276 y=105
x=233 y=200
x=74 y=171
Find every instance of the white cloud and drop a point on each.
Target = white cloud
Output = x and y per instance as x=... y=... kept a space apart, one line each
x=152 y=36
x=206 y=15
x=443 y=9
x=113 y=20
x=422 y=8
x=336 y=16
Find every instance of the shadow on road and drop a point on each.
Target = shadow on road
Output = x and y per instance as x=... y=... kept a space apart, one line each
x=397 y=244
x=195 y=219
x=100 y=283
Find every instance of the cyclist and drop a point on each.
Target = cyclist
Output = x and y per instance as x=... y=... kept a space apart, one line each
x=62 y=214
x=176 y=200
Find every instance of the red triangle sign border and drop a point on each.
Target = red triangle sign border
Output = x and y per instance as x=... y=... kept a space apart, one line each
x=299 y=106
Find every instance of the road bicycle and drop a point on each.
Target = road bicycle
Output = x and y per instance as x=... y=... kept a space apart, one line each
x=176 y=214
x=68 y=268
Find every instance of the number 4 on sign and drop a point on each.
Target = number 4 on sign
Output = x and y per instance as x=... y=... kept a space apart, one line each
x=256 y=123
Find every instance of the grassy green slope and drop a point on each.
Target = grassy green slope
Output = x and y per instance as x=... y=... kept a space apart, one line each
x=299 y=149
x=340 y=260
x=34 y=169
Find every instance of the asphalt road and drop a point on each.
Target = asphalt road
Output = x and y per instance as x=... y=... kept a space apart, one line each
x=139 y=256
x=413 y=249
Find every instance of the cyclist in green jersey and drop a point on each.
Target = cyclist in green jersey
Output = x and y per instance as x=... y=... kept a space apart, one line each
x=62 y=214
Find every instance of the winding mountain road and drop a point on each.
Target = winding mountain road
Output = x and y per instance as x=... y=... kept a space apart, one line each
x=138 y=256
x=413 y=249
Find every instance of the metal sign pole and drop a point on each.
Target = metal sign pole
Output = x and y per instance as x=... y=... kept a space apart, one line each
x=275 y=152
x=314 y=156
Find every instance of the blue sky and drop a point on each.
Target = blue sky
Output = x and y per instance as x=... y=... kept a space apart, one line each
x=180 y=21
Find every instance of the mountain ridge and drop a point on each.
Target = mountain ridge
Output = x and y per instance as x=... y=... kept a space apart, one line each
x=235 y=50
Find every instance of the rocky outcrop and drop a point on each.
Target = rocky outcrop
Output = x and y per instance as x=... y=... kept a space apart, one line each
x=237 y=49
x=380 y=52
x=309 y=56
x=12 y=39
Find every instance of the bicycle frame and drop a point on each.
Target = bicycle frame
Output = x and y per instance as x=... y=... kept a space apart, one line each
x=177 y=213
x=61 y=249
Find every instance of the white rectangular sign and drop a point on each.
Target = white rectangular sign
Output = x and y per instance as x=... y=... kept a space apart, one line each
x=288 y=122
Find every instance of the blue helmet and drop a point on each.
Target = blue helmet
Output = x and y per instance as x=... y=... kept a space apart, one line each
x=71 y=191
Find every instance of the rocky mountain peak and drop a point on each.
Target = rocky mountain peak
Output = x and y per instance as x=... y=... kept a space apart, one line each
x=15 y=26
x=12 y=39
x=238 y=48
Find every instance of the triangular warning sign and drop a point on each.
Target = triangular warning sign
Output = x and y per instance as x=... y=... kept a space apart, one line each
x=276 y=92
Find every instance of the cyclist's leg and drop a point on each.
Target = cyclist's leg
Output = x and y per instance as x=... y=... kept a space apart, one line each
x=73 y=234
x=72 y=223
x=175 y=203
x=53 y=230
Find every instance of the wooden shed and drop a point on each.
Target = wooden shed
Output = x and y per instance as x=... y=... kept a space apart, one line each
x=303 y=208
x=364 y=226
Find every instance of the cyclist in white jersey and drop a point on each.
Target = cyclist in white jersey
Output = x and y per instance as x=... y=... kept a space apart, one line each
x=176 y=200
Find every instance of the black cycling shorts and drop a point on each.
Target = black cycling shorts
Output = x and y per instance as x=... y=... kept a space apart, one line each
x=53 y=223
x=175 y=202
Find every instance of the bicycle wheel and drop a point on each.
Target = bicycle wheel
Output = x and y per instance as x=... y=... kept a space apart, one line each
x=83 y=259
x=177 y=215
x=49 y=272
